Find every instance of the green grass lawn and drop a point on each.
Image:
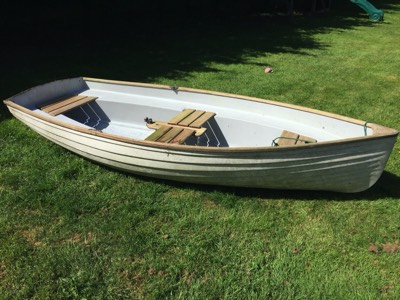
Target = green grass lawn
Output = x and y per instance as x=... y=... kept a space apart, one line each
x=71 y=229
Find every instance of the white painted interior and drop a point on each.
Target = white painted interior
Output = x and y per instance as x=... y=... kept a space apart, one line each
x=242 y=122
x=120 y=109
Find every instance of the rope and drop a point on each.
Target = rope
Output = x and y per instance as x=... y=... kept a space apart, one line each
x=274 y=143
x=365 y=128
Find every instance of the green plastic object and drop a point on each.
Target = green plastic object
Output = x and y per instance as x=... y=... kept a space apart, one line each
x=375 y=14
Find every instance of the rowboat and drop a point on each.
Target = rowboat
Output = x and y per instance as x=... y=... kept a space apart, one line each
x=205 y=137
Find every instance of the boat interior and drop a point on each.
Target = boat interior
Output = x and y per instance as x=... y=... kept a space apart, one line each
x=191 y=118
x=189 y=127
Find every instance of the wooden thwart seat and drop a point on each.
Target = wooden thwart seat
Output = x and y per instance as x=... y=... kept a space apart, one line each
x=65 y=104
x=180 y=127
x=289 y=138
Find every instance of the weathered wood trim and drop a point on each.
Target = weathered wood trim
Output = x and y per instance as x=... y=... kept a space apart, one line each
x=65 y=104
x=158 y=133
x=202 y=119
x=289 y=138
x=183 y=136
x=191 y=118
x=167 y=131
x=181 y=116
x=157 y=124
x=170 y=135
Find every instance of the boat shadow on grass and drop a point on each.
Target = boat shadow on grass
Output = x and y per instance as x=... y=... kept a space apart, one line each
x=387 y=187
x=4 y=113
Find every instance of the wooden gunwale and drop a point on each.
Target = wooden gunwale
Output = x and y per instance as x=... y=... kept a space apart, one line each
x=378 y=131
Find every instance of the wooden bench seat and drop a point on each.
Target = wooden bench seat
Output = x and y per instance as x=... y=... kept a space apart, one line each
x=289 y=138
x=65 y=104
x=191 y=118
x=180 y=127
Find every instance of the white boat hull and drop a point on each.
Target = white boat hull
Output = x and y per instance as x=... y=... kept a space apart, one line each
x=349 y=165
x=345 y=167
